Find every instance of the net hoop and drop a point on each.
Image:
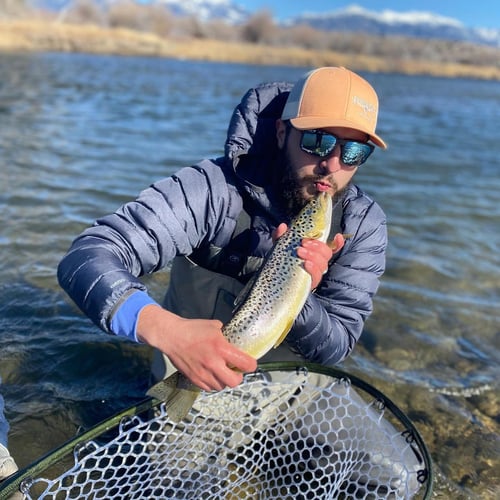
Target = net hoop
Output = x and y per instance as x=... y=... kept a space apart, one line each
x=134 y=418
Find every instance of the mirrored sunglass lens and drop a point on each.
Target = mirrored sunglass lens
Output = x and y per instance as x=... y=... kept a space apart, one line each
x=309 y=140
x=355 y=153
x=327 y=144
x=318 y=144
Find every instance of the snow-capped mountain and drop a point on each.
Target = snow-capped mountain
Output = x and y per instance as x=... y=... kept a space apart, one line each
x=351 y=19
x=413 y=23
x=205 y=10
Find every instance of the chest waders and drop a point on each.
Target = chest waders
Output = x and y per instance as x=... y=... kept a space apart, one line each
x=198 y=290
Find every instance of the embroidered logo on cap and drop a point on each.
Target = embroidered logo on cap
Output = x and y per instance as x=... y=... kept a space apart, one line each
x=369 y=110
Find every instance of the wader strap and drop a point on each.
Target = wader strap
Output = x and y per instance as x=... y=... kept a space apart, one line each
x=233 y=259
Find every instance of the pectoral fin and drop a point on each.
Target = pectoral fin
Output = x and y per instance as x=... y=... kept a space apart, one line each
x=314 y=234
x=283 y=335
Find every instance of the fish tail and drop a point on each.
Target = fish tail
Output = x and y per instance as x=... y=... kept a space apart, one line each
x=178 y=394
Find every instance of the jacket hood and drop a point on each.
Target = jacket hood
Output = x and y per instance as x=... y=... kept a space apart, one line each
x=252 y=130
x=251 y=150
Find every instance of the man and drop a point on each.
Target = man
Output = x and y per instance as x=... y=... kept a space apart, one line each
x=214 y=223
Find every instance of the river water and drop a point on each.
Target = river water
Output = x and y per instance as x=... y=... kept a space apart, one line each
x=81 y=134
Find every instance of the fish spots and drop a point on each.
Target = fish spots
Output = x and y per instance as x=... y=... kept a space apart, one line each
x=281 y=286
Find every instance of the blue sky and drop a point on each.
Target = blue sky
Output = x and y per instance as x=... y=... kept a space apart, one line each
x=472 y=13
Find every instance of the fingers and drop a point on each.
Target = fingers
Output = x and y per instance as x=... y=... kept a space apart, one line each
x=223 y=371
x=239 y=361
x=318 y=251
x=337 y=243
x=196 y=347
x=279 y=231
x=316 y=255
x=208 y=359
x=316 y=274
x=229 y=372
x=217 y=379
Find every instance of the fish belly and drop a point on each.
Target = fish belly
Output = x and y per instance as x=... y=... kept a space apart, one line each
x=263 y=322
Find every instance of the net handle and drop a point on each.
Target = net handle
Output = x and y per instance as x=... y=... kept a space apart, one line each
x=12 y=484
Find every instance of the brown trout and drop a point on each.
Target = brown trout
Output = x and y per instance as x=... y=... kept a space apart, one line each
x=267 y=306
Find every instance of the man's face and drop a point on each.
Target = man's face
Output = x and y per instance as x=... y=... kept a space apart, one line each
x=307 y=175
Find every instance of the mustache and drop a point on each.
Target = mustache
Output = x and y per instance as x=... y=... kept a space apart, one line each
x=312 y=179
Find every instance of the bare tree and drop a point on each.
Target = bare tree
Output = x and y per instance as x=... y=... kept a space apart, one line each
x=140 y=17
x=125 y=14
x=160 y=20
x=259 y=28
x=191 y=27
x=306 y=36
x=84 y=12
x=13 y=8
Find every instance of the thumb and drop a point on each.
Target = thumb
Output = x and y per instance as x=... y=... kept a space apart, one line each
x=279 y=231
x=337 y=243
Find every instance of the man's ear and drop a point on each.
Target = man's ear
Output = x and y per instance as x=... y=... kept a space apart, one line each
x=280 y=133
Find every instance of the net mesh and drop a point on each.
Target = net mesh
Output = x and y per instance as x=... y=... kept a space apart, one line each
x=279 y=435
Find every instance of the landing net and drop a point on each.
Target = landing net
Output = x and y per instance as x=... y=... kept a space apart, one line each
x=286 y=432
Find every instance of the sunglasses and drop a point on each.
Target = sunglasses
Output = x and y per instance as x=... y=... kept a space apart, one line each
x=322 y=144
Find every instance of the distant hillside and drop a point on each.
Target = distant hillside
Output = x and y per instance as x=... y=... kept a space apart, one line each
x=141 y=28
x=354 y=19
x=35 y=35
x=389 y=23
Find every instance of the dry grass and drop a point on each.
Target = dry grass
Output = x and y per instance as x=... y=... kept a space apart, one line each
x=39 y=36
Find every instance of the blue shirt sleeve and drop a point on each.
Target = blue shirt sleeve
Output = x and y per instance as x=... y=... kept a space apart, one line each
x=124 y=322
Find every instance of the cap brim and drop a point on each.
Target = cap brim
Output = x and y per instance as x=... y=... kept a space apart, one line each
x=316 y=122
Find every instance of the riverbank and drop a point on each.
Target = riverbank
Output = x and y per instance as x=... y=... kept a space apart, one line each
x=39 y=36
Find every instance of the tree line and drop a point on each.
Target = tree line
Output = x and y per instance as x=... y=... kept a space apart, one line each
x=260 y=29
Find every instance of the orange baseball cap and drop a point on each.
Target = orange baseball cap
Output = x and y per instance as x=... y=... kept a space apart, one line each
x=333 y=97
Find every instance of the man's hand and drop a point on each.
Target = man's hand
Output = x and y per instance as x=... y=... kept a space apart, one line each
x=316 y=254
x=196 y=347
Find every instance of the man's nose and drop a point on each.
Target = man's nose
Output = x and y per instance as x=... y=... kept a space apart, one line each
x=332 y=162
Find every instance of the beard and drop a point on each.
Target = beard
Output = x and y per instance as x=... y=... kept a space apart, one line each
x=290 y=190
x=295 y=191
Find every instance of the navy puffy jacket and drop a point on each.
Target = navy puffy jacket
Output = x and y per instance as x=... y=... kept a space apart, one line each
x=200 y=204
